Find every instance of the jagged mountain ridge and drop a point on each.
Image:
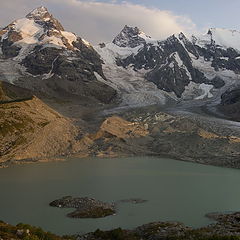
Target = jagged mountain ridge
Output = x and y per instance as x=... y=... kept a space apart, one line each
x=187 y=68
x=37 y=53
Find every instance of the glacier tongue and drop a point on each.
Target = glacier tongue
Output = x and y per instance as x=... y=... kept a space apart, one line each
x=132 y=85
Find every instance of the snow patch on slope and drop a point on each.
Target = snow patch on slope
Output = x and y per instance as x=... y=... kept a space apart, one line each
x=197 y=91
x=53 y=40
x=69 y=36
x=28 y=29
x=111 y=52
x=205 y=91
x=148 y=39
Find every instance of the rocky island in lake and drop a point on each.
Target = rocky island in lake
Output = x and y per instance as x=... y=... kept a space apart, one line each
x=85 y=207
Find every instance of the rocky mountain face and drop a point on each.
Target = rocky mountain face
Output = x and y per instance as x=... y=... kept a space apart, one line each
x=44 y=57
x=186 y=68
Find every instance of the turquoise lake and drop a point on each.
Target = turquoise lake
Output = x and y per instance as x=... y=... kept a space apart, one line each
x=174 y=190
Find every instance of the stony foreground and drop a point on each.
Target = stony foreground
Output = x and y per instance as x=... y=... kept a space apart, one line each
x=227 y=227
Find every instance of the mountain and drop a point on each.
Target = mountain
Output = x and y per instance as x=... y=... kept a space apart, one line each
x=38 y=54
x=147 y=71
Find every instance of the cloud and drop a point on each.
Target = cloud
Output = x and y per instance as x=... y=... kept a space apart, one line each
x=101 y=21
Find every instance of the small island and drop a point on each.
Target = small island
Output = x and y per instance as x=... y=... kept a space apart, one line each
x=85 y=207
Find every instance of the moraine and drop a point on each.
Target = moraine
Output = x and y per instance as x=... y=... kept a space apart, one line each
x=174 y=190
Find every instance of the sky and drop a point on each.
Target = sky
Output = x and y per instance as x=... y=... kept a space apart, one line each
x=100 y=20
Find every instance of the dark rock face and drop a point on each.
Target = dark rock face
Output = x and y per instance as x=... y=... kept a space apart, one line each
x=220 y=58
x=146 y=58
x=40 y=61
x=129 y=37
x=90 y=56
x=230 y=104
x=71 y=72
x=175 y=71
x=73 y=65
x=231 y=97
x=9 y=50
x=217 y=82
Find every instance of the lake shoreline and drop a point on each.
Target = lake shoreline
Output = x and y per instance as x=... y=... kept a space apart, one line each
x=231 y=163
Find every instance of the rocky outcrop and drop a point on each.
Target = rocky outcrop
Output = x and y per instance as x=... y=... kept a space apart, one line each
x=115 y=137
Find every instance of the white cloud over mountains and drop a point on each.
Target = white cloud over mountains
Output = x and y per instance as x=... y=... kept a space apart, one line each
x=101 y=21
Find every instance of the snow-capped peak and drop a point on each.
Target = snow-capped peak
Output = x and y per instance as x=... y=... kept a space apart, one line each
x=39 y=27
x=131 y=37
x=42 y=17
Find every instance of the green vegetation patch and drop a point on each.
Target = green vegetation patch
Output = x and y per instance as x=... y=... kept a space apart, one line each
x=26 y=232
